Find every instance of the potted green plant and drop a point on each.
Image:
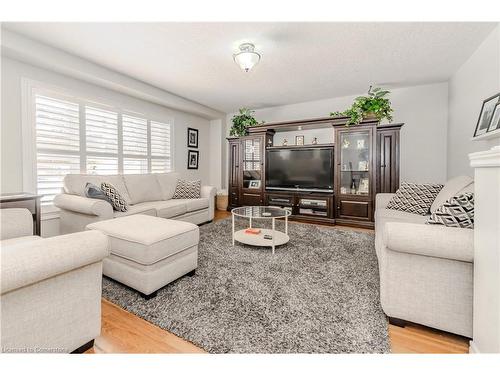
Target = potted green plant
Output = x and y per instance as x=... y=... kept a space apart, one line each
x=242 y=121
x=375 y=104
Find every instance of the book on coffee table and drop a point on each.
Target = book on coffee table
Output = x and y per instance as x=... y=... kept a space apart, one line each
x=252 y=231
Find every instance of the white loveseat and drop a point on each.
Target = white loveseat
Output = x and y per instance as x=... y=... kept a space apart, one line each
x=426 y=270
x=147 y=194
x=50 y=287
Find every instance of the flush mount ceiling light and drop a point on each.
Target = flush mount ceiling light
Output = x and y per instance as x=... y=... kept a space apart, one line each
x=247 y=58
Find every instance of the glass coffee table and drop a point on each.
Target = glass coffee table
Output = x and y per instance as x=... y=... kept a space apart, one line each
x=266 y=237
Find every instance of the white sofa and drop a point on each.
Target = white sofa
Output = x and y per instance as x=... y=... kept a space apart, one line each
x=147 y=194
x=425 y=270
x=51 y=287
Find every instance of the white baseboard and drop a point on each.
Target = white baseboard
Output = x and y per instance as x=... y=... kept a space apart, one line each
x=473 y=348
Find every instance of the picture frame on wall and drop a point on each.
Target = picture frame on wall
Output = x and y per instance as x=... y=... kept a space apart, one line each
x=486 y=115
x=193 y=159
x=495 y=119
x=192 y=137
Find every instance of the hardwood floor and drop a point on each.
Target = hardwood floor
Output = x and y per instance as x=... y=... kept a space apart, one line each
x=123 y=332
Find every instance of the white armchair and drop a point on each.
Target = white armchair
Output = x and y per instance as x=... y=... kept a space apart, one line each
x=50 y=288
x=425 y=270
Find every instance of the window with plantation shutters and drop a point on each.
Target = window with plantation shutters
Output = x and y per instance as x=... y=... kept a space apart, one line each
x=78 y=136
x=57 y=129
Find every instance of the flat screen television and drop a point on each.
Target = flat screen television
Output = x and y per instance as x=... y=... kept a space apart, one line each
x=304 y=169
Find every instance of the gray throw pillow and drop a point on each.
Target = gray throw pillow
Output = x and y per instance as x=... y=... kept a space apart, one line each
x=414 y=198
x=456 y=212
x=117 y=201
x=95 y=192
x=187 y=189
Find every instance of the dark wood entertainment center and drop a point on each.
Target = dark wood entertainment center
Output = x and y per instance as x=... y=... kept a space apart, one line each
x=374 y=147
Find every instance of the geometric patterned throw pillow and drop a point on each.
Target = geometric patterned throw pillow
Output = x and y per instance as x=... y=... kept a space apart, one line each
x=415 y=198
x=114 y=197
x=187 y=189
x=456 y=212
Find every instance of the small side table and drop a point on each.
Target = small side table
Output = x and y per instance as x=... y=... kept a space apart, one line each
x=25 y=200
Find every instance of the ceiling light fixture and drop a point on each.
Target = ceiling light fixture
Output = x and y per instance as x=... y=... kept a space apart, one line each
x=247 y=58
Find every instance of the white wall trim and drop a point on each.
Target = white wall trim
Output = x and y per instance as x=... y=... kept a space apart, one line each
x=473 y=349
x=50 y=213
x=485 y=159
x=28 y=136
x=490 y=135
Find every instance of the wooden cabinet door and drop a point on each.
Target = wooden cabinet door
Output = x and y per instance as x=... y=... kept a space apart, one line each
x=354 y=174
x=252 y=171
x=354 y=209
x=387 y=161
x=234 y=173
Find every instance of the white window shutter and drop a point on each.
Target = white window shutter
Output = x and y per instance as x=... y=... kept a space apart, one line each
x=101 y=128
x=57 y=144
x=135 y=135
x=135 y=166
x=102 y=164
x=160 y=147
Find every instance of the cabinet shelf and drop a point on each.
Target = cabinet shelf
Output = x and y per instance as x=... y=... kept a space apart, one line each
x=355 y=149
x=317 y=208
x=354 y=195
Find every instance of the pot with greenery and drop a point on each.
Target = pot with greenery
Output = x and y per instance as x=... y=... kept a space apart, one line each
x=375 y=104
x=243 y=121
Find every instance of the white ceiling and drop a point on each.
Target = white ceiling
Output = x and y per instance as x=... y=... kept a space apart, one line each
x=301 y=61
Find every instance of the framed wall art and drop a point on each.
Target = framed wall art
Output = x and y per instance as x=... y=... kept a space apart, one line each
x=193 y=157
x=486 y=115
x=192 y=137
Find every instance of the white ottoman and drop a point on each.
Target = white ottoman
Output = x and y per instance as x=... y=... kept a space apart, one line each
x=148 y=252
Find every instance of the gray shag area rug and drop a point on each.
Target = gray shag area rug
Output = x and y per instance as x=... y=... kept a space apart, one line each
x=318 y=294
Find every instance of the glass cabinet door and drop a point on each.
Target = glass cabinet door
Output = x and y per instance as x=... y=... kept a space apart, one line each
x=355 y=162
x=252 y=160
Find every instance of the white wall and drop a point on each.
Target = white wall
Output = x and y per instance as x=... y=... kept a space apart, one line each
x=11 y=136
x=477 y=79
x=423 y=109
x=217 y=135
